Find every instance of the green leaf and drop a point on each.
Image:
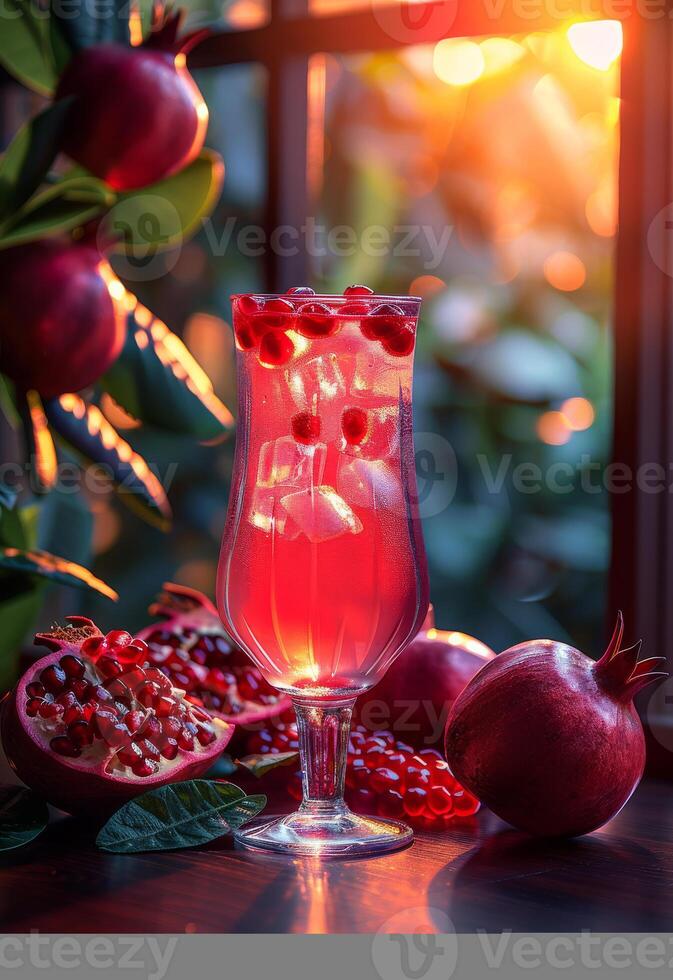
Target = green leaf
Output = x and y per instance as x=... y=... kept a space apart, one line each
x=164 y=214
x=27 y=159
x=23 y=817
x=18 y=613
x=61 y=52
x=12 y=533
x=85 y=430
x=25 y=47
x=178 y=815
x=54 y=218
x=104 y=20
x=8 y=402
x=259 y=764
x=53 y=568
x=156 y=379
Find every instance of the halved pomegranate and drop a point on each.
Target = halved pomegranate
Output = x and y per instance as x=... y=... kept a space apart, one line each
x=92 y=725
x=195 y=653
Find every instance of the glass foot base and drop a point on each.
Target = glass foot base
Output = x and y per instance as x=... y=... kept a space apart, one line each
x=321 y=835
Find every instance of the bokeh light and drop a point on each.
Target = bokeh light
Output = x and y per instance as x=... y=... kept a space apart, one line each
x=426 y=286
x=500 y=53
x=458 y=62
x=565 y=271
x=597 y=43
x=578 y=413
x=551 y=428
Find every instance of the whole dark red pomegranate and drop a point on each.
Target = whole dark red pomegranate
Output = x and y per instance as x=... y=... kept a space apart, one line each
x=92 y=725
x=418 y=690
x=137 y=116
x=549 y=739
x=62 y=318
x=196 y=654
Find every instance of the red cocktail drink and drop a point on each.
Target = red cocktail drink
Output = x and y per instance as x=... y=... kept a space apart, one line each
x=322 y=573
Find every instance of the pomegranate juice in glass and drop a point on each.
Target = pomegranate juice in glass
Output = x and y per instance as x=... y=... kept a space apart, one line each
x=322 y=576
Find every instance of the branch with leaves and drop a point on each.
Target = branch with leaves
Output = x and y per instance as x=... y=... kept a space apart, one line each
x=46 y=197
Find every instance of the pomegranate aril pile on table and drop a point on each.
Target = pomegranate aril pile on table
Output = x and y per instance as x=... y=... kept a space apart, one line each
x=384 y=776
x=106 y=700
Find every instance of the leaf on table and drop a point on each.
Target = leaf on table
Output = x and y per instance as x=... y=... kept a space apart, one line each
x=40 y=448
x=178 y=815
x=156 y=379
x=23 y=817
x=164 y=214
x=88 y=433
x=25 y=47
x=259 y=764
x=53 y=568
x=26 y=161
x=94 y=23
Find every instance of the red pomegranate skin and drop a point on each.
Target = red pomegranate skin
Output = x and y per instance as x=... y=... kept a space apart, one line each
x=549 y=739
x=65 y=782
x=62 y=318
x=137 y=116
x=417 y=692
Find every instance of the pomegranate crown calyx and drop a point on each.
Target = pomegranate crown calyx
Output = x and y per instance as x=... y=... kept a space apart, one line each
x=78 y=629
x=620 y=668
x=165 y=30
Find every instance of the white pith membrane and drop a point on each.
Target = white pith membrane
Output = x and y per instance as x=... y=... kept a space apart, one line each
x=101 y=754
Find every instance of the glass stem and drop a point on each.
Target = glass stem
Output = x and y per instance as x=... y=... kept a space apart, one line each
x=323 y=745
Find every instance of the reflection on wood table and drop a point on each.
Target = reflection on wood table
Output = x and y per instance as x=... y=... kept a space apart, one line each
x=483 y=875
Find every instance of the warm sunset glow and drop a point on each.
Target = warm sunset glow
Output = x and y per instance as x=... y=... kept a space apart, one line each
x=458 y=62
x=578 y=413
x=500 y=53
x=551 y=428
x=601 y=211
x=565 y=271
x=597 y=43
x=245 y=13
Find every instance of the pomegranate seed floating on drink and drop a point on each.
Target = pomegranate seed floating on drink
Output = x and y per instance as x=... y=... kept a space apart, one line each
x=354 y=426
x=358 y=291
x=306 y=428
x=300 y=291
x=316 y=320
x=275 y=349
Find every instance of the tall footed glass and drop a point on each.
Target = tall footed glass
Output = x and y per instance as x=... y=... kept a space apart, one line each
x=322 y=576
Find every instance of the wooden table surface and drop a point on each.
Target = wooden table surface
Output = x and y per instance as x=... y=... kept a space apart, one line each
x=482 y=875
